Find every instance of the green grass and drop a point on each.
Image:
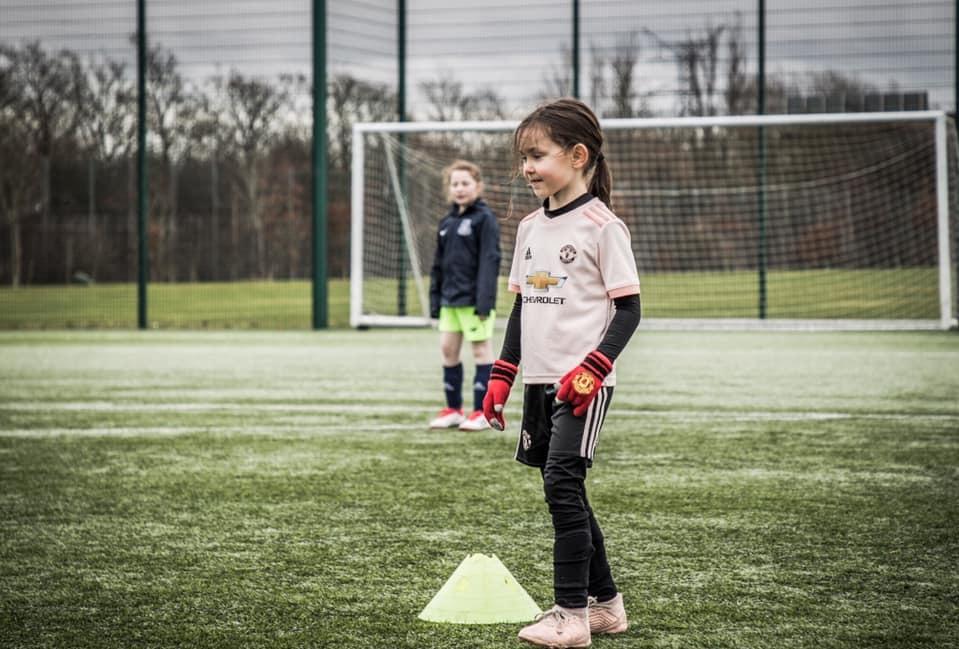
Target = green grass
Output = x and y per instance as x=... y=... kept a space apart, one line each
x=217 y=305
x=901 y=293
x=858 y=294
x=252 y=489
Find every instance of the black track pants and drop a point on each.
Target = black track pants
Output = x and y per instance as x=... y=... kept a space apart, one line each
x=562 y=445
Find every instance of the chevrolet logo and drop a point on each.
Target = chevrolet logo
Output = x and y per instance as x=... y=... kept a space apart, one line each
x=542 y=280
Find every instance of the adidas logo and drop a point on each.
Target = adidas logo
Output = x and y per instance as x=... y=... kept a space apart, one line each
x=529 y=254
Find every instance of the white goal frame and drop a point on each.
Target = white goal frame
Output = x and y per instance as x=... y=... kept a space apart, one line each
x=947 y=320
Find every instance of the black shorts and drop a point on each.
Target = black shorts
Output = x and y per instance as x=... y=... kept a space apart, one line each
x=550 y=426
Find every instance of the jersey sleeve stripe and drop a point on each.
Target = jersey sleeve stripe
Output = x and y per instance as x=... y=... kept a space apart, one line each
x=600 y=206
x=599 y=215
x=515 y=288
x=594 y=218
x=632 y=289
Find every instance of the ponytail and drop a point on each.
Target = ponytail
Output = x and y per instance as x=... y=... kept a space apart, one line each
x=601 y=183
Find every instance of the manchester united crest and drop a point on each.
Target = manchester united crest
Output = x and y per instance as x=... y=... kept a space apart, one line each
x=583 y=383
x=567 y=253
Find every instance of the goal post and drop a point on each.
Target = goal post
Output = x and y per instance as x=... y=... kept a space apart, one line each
x=824 y=221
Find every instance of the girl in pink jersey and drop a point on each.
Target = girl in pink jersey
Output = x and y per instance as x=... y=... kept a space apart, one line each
x=577 y=305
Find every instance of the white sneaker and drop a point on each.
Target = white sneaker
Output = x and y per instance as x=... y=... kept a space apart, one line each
x=607 y=617
x=448 y=418
x=476 y=421
x=559 y=628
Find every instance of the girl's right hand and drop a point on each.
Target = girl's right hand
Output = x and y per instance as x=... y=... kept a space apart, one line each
x=500 y=383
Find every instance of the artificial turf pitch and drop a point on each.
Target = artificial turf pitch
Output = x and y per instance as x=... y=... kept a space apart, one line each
x=251 y=489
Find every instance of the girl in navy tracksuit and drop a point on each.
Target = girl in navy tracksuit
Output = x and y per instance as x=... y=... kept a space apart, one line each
x=463 y=291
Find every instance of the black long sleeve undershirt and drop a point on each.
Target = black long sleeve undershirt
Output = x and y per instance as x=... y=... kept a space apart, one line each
x=628 y=314
x=511 y=341
x=629 y=311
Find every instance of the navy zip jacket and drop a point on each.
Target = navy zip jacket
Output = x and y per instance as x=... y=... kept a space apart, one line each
x=466 y=264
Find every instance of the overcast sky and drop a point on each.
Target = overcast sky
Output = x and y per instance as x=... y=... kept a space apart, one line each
x=511 y=47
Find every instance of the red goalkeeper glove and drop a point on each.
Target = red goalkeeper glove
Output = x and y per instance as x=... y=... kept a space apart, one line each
x=501 y=379
x=580 y=385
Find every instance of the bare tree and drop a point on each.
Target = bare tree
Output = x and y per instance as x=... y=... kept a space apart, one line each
x=105 y=101
x=626 y=100
x=349 y=100
x=746 y=96
x=209 y=133
x=834 y=84
x=171 y=111
x=697 y=59
x=558 y=81
x=737 y=84
x=297 y=93
x=252 y=107
x=353 y=100
x=597 y=76
x=449 y=101
x=39 y=100
x=19 y=187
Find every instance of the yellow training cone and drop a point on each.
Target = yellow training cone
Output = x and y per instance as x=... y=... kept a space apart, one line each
x=480 y=591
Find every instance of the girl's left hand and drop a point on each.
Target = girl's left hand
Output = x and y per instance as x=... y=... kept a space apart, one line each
x=580 y=385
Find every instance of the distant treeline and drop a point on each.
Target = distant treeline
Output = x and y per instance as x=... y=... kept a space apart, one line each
x=229 y=157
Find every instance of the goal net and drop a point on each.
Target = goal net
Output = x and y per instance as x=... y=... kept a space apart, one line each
x=843 y=221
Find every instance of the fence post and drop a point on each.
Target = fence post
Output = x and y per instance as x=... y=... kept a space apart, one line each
x=762 y=200
x=575 y=50
x=401 y=116
x=320 y=302
x=143 y=271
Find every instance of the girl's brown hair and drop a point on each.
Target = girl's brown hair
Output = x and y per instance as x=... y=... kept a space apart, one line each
x=569 y=122
x=461 y=165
